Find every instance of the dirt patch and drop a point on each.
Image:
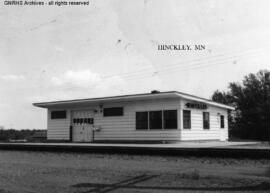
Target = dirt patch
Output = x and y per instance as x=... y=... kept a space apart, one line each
x=26 y=172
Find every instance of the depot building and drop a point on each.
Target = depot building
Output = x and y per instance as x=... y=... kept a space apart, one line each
x=155 y=116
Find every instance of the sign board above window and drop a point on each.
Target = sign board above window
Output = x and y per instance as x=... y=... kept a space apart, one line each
x=196 y=105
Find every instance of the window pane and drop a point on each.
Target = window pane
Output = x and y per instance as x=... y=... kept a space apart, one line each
x=141 y=120
x=155 y=119
x=186 y=119
x=114 y=111
x=170 y=119
x=206 y=124
x=58 y=114
x=81 y=121
x=91 y=121
x=222 y=121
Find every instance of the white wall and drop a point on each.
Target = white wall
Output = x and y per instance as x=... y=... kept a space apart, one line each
x=58 y=129
x=197 y=132
x=124 y=127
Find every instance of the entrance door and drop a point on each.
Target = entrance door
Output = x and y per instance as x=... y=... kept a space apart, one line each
x=223 y=136
x=82 y=122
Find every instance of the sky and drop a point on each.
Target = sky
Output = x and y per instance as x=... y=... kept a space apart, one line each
x=109 y=48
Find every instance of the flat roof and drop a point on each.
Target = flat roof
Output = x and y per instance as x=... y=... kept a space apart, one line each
x=133 y=97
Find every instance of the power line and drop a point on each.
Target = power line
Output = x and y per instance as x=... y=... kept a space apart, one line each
x=182 y=69
x=185 y=65
x=166 y=74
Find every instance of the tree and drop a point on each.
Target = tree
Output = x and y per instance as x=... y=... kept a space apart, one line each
x=222 y=97
x=12 y=134
x=252 y=102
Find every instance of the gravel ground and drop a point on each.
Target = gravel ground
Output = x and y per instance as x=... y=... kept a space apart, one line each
x=46 y=172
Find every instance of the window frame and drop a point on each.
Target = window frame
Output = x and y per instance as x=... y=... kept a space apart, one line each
x=118 y=115
x=164 y=122
x=54 y=117
x=203 y=119
x=222 y=122
x=136 y=124
x=161 y=124
x=186 y=110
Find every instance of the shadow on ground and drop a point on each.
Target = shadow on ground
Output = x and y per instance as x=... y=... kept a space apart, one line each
x=131 y=184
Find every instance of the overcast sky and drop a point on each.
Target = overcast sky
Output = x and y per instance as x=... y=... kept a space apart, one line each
x=110 y=48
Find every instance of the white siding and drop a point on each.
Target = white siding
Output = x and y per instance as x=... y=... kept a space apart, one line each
x=58 y=129
x=123 y=127
x=197 y=132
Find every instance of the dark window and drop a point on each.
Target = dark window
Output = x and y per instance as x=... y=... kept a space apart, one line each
x=222 y=121
x=81 y=121
x=90 y=121
x=206 y=124
x=170 y=119
x=141 y=120
x=186 y=119
x=74 y=121
x=155 y=119
x=58 y=115
x=85 y=120
x=114 y=111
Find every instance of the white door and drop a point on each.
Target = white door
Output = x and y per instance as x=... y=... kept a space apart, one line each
x=223 y=135
x=82 y=124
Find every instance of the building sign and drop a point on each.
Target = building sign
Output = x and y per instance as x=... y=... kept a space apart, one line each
x=196 y=105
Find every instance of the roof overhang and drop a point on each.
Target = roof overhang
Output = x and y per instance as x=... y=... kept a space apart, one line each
x=128 y=98
x=93 y=101
x=206 y=101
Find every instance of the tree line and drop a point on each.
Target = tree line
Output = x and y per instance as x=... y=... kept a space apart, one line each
x=25 y=134
x=251 y=99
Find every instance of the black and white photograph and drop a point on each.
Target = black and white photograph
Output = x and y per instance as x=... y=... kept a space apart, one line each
x=134 y=96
